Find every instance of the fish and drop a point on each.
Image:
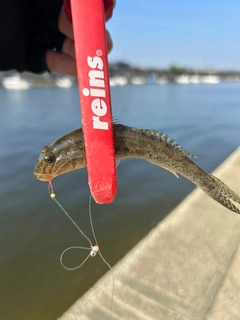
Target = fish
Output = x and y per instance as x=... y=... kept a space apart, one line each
x=68 y=153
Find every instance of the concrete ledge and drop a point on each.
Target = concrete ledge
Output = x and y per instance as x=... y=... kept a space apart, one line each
x=187 y=267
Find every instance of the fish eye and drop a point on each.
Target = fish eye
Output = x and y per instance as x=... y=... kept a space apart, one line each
x=49 y=158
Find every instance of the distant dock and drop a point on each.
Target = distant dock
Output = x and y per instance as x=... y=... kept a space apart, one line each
x=122 y=74
x=186 y=268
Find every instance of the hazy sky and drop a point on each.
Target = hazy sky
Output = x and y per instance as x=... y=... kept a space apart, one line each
x=190 y=33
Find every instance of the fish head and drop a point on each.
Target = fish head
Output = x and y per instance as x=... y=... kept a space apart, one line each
x=53 y=162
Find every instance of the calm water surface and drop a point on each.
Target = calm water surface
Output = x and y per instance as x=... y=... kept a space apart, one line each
x=205 y=119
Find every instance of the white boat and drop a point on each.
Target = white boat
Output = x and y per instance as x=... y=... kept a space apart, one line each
x=183 y=79
x=64 y=82
x=118 y=81
x=210 y=79
x=15 y=82
x=195 y=79
x=138 y=80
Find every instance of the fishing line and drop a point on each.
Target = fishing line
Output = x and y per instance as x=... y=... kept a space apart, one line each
x=93 y=250
x=53 y=196
x=100 y=253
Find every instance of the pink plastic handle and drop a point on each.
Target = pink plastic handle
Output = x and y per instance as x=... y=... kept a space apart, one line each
x=93 y=81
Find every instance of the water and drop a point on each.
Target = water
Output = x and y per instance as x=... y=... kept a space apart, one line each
x=205 y=119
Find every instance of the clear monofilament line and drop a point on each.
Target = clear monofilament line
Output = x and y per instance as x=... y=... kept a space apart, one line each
x=93 y=249
x=93 y=231
x=83 y=234
x=100 y=253
x=53 y=196
x=78 y=266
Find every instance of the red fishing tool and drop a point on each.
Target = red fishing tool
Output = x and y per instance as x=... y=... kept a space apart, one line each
x=88 y=19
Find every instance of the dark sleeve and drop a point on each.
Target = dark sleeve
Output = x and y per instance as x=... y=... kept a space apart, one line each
x=27 y=29
x=12 y=35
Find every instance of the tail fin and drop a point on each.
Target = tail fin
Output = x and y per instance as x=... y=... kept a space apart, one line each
x=222 y=194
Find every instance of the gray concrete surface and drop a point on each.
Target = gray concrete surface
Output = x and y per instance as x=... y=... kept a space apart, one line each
x=186 y=268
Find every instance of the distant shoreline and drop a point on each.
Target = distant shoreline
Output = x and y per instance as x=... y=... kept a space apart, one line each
x=122 y=73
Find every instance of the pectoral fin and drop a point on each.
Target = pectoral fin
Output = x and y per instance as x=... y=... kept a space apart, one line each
x=166 y=168
x=172 y=171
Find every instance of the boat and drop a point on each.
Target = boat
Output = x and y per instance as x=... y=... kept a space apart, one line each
x=138 y=80
x=210 y=79
x=64 y=82
x=183 y=79
x=195 y=79
x=151 y=79
x=118 y=81
x=15 y=82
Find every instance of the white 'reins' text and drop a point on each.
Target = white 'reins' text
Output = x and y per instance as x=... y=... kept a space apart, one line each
x=97 y=91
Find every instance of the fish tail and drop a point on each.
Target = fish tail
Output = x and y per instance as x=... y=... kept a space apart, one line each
x=221 y=193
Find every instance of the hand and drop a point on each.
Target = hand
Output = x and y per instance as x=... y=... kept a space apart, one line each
x=27 y=39
x=65 y=62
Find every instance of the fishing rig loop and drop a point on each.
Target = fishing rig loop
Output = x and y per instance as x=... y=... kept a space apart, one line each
x=93 y=249
x=92 y=253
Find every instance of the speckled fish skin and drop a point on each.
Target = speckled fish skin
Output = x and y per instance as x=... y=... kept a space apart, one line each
x=68 y=154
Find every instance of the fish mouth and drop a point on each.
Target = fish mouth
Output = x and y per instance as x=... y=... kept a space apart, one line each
x=42 y=176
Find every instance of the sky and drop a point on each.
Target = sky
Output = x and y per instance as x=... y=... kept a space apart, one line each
x=187 y=33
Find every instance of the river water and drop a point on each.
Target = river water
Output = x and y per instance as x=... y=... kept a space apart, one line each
x=205 y=119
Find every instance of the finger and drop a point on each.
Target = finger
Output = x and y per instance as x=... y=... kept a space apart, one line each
x=109 y=12
x=68 y=48
x=59 y=62
x=109 y=42
x=64 y=25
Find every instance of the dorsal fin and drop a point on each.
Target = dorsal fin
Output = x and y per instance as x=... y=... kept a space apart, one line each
x=115 y=120
x=166 y=138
